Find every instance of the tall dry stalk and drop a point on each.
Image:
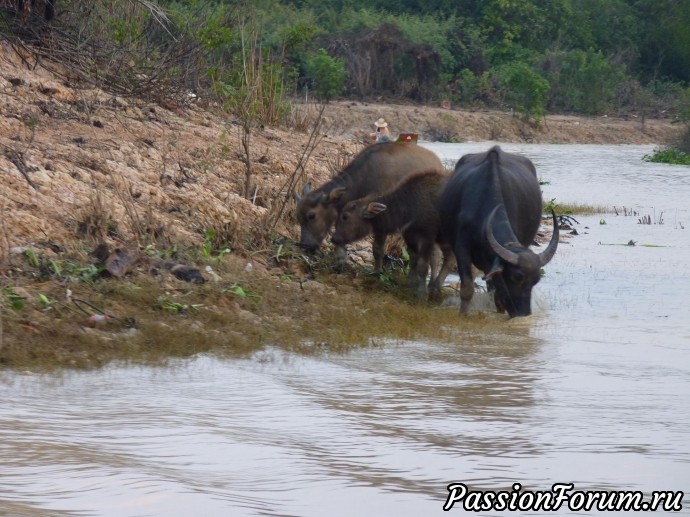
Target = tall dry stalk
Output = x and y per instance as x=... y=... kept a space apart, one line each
x=142 y=223
x=248 y=98
x=94 y=218
x=318 y=131
x=4 y=239
x=253 y=91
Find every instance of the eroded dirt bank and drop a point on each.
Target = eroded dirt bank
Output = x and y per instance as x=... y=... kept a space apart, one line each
x=456 y=125
x=82 y=168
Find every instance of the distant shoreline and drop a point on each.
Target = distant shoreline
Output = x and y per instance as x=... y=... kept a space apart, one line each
x=352 y=118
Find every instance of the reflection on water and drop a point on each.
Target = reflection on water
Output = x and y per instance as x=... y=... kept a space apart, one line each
x=592 y=389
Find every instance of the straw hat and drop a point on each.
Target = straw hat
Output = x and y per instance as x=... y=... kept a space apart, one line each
x=381 y=123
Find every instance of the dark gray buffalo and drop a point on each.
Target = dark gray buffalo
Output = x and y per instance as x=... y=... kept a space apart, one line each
x=490 y=213
x=374 y=170
x=411 y=208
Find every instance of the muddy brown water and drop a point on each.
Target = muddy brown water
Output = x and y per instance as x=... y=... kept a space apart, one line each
x=593 y=389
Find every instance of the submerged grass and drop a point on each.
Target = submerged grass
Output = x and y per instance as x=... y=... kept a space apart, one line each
x=582 y=209
x=574 y=208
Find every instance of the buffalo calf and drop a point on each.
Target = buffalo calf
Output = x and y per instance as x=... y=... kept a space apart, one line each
x=374 y=170
x=411 y=208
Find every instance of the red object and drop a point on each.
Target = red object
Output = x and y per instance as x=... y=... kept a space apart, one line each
x=98 y=318
x=408 y=138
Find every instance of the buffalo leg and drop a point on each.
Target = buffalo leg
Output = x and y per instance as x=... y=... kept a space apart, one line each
x=418 y=274
x=413 y=252
x=436 y=283
x=421 y=273
x=379 y=249
x=466 y=278
x=491 y=289
x=435 y=263
x=340 y=256
x=412 y=268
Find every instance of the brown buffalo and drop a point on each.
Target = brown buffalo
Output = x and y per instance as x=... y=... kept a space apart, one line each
x=374 y=170
x=411 y=208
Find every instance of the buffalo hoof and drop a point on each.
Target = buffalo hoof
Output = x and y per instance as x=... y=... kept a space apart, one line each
x=435 y=295
x=309 y=249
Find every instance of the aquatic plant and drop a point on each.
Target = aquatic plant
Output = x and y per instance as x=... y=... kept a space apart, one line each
x=573 y=208
x=671 y=155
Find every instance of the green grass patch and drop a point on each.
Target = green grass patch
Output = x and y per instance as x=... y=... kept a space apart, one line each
x=573 y=208
x=671 y=155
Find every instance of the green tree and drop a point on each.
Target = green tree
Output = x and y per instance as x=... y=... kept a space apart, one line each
x=583 y=82
x=607 y=25
x=527 y=23
x=524 y=89
x=327 y=73
x=666 y=38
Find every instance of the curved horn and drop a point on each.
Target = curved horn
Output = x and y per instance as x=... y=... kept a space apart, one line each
x=509 y=256
x=307 y=188
x=546 y=255
x=305 y=191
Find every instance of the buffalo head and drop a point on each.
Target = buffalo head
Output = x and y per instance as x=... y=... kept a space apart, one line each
x=316 y=213
x=517 y=270
x=354 y=222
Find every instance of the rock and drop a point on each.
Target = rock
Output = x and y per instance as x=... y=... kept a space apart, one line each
x=214 y=276
x=188 y=274
x=121 y=261
x=249 y=316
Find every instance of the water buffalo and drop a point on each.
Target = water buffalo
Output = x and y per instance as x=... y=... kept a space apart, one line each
x=490 y=213
x=374 y=170
x=411 y=207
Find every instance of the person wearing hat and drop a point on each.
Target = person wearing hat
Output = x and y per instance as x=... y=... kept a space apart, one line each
x=382 y=134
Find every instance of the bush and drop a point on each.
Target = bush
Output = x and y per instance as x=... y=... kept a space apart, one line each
x=328 y=74
x=671 y=155
x=472 y=89
x=583 y=82
x=132 y=48
x=524 y=89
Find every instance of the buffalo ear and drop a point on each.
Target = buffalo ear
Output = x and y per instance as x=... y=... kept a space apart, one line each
x=496 y=269
x=335 y=194
x=373 y=209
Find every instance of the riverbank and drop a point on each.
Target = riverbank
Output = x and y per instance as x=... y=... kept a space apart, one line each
x=152 y=193
x=451 y=125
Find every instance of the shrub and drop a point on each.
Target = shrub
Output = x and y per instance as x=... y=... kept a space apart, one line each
x=671 y=155
x=328 y=74
x=583 y=81
x=472 y=89
x=524 y=89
